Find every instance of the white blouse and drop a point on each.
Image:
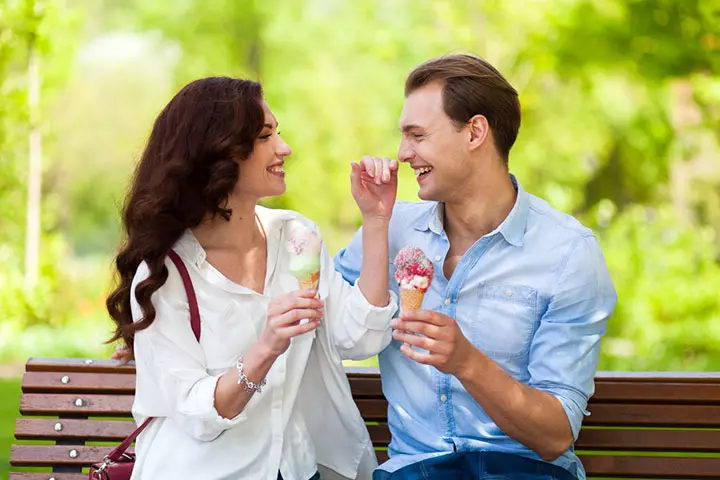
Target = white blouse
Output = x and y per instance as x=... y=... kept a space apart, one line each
x=305 y=417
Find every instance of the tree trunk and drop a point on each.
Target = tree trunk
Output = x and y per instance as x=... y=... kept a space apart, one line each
x=32 y=235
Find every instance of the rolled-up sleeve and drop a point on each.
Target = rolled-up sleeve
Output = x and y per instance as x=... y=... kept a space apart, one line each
x=359 y=329
x=172 y=377
x=566 y=348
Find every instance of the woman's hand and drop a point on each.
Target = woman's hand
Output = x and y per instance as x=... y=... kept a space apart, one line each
x=373 y=182
x=283 y=319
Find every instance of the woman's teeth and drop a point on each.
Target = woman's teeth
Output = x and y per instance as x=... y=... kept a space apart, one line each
x=279 y=169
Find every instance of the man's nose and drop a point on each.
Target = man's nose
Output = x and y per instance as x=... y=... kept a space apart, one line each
x=405 y=152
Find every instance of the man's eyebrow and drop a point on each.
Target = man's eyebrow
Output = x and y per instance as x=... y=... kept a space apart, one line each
x=407 y=128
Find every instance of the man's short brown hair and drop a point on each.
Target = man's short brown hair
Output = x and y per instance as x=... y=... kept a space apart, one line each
x=471 y=86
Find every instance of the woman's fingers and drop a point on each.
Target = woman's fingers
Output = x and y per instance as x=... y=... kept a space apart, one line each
x=298 y=299
x=294 y=316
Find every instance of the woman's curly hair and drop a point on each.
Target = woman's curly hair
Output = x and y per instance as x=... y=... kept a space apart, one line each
x=189 y=168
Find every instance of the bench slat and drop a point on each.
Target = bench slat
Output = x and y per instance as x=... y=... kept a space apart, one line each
x=78 y=365
x=64 y=404
x=379 y=434
x=76 y=382
x=646 y=392
x=53 y=455
x=649 y=440
x=660 y=377
x=653 y=467
x=366 y=387
x=47 y=476
x=373 y=410
x=681 y=416
x=72 y=429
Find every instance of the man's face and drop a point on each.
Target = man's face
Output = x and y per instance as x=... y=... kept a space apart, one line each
x=433 y=146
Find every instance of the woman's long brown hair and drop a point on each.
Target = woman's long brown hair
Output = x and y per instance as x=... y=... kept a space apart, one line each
x=188 y=169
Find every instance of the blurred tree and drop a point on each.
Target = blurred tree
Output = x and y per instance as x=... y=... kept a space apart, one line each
x=621 y=111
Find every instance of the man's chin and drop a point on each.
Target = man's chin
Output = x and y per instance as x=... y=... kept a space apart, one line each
x=427 y=195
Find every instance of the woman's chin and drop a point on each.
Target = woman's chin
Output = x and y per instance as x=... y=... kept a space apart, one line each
x=275 y=191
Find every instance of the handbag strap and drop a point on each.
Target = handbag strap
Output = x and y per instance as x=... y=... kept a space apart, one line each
x=190 y=291
x=119 y=451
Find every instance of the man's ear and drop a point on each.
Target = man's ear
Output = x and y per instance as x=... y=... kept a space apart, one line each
x=479 y=129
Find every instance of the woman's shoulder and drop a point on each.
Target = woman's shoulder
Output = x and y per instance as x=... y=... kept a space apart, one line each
x=172 y=285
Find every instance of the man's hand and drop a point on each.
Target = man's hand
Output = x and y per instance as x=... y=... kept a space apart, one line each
x=373 y=182
x=448 y=349
x=122 y=353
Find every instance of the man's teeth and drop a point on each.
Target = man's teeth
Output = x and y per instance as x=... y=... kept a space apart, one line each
x=277 y=169
x=420 y=171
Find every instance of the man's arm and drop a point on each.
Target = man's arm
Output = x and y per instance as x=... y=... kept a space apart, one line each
x=546 y=414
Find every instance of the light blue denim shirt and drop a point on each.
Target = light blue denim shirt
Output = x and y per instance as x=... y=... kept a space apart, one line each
x=535 y=295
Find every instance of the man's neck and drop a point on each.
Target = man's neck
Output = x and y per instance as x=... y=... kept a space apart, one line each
x=471 y=216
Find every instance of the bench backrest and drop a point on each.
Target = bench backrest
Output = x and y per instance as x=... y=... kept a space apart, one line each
x=642 y=425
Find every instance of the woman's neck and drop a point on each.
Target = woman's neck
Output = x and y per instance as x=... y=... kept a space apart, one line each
x=242 y=232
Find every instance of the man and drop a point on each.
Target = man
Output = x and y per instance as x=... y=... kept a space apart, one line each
x=493 y=375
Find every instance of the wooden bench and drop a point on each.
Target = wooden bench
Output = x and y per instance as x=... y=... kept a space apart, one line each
x=642 y=425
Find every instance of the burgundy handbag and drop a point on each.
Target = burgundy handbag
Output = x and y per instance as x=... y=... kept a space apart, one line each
x=118 y=464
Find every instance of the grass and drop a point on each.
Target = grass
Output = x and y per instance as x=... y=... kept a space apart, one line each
x=9 y=402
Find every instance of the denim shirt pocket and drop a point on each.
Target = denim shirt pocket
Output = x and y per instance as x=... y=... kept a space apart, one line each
x=504 y=323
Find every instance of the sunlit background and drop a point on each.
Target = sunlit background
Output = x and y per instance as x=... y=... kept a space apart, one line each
x=621 y=128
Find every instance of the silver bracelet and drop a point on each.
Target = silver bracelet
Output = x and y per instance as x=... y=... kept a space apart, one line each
x=243 y=380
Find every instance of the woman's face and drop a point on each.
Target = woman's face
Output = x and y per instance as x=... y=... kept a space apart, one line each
x=262 y=174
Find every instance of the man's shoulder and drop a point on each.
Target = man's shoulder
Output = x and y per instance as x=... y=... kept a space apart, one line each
x=553 y=222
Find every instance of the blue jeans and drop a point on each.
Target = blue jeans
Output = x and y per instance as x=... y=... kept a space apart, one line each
x=477 y=466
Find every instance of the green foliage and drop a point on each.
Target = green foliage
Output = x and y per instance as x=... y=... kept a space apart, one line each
x=9 y=398
x=621 y=115
x=666 y=273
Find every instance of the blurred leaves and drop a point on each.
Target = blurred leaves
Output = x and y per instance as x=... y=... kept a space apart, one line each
x=621 y=121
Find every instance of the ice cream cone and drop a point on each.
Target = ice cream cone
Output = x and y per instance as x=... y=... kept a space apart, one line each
x=311 y=282
x=410 y=299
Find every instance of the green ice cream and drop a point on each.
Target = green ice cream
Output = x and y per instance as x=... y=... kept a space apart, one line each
x=303 y=266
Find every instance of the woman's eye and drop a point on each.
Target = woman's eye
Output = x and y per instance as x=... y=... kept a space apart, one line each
x=265 y=137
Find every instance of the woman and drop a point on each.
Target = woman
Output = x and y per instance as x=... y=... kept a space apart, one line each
x=262 y=393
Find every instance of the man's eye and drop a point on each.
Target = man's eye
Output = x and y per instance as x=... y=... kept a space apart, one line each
x=417 y=135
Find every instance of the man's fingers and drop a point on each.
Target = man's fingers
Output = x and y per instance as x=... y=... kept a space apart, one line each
x=429 y=344
x=427 y=316
x=424 y=358
x=122 y=353
x=422 y=328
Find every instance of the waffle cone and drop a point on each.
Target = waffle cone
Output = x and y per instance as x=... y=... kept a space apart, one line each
x=411 y=299
x=311 y=282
